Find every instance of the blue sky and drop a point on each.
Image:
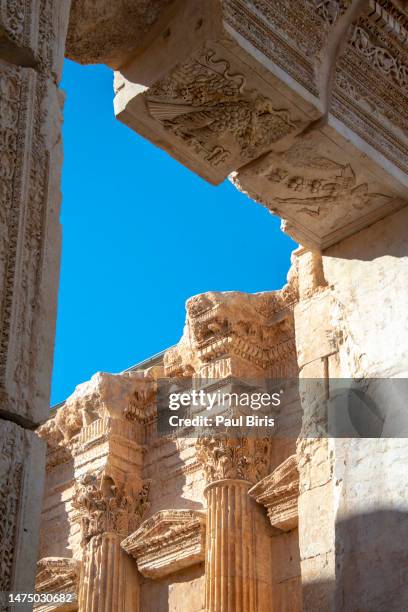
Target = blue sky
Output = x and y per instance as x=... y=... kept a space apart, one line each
x=141 y=234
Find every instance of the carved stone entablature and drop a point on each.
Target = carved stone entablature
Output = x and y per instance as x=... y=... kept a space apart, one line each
x=107 y=32
x=233 y=458
x=168 y=542
x=237 y=335
x=320 y=193
x=279 y=493
x=106 y=404
x=257 y=329
x=202 y=100
x=370 y=75
x=106 y=507
x=57 y=575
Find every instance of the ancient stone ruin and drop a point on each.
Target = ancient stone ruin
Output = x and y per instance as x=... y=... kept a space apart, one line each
x=304 y=106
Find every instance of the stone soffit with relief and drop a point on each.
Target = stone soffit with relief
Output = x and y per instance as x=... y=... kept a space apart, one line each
x=216 y=99
x=167 y=542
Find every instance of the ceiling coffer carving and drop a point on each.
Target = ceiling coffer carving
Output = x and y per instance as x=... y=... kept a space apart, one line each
x=168 y=542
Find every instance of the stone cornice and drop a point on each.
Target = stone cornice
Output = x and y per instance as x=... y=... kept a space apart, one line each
x=57 y=575
x=167 y=542
x=279 y=493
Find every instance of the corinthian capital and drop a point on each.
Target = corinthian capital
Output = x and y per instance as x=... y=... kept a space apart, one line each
x=105 y=507
x=234 y=458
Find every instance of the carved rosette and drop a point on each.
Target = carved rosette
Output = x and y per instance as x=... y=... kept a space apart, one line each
x=236 y=458
x=105 y=507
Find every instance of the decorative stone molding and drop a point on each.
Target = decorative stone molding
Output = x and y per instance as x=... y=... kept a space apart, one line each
x=168 y=542
x=237 y=335
x=279 y=493
x=233 y=458
x=57 y=575
x=105 y=507
x=200 y=100
x=256 y=90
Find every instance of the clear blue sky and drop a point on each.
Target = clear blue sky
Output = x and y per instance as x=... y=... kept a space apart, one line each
x=141 y=234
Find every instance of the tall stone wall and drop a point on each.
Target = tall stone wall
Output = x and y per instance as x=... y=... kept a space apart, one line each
x=353 y=503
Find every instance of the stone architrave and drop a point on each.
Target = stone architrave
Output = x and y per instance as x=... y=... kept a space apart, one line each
x=263 y=94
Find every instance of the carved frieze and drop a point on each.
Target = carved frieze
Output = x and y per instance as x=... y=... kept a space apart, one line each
x=29 y=202
x=168 y=542
x=241 y=93
x=233 y=458
x=370 y=83
x=279 y=493
x=208 y=106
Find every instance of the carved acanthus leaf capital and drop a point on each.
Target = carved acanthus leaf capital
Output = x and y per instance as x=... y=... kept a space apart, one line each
x=105 y=507
x=234 y=458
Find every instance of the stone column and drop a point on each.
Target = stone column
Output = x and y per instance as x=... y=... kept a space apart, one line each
x=237 y=548
x=108 y=513
x=230 y=547
x=32 y=39
x=109 y=582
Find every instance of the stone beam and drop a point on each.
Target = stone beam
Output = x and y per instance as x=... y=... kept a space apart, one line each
x=302 y=106
x=107 y=32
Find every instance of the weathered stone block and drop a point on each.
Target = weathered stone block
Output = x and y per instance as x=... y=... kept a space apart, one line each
x=314 y=328
x=316 y=537
x=22 y=460
x=29 y=239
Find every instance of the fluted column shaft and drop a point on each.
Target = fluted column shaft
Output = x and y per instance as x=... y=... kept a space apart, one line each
x=109 y=581
x=230 y=550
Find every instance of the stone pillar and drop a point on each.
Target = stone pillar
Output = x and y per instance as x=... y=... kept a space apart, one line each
x=108 y=513
x=230 y=554
x=238 y=571
x=109 y=581
x=32 y=39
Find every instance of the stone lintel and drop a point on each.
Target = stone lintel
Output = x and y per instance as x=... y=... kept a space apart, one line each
x=221 y=90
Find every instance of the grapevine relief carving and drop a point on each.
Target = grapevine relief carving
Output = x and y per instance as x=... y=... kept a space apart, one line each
x=208 y=107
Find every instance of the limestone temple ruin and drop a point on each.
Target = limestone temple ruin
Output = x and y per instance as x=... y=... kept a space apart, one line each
x=303 y=104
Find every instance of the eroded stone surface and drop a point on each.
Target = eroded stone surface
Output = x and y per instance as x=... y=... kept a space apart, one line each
x=22 y=458
x=107 y=32
x=29 y=238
